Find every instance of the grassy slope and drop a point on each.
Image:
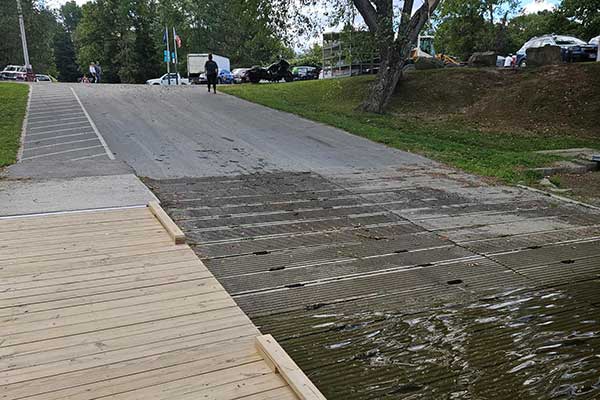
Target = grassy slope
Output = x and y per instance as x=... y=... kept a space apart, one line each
x=13 y=104
x=446 y=116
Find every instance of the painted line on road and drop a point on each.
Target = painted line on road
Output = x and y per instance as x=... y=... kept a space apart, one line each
x=46 y=110
x=61 y=152
x=86 y=157
x=57 y=130
x=47 y=104
x=58 y=144
x=50 y=117
x=24 y=126
x=57 y=125
x=59 y=137
x=108 y=152
x=55 y=120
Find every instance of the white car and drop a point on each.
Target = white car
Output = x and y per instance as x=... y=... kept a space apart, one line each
x=14 y=73
x=164 y=80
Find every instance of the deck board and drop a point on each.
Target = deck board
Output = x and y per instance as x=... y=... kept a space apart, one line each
x=104 y=304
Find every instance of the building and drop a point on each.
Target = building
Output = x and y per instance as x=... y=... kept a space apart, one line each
x=349 y=53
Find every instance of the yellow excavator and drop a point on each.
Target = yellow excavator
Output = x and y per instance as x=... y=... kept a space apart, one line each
x=425 y=49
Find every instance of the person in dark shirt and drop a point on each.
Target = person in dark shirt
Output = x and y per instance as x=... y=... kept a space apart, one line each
x=212 y=70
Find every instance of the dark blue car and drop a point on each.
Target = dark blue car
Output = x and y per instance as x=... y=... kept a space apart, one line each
x=571 y=48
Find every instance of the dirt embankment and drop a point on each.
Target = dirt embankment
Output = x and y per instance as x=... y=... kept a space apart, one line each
x=553 y=99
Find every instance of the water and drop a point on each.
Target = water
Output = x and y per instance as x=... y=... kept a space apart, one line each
x=518 y=344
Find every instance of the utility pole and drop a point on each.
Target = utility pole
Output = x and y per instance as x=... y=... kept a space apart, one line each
x=175 y=57
x=24 y=41
x=168 y=60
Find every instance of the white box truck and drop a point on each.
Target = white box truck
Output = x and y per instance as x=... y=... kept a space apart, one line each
x=195 y=66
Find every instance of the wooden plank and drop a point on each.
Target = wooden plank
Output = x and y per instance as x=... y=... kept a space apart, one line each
x=120 y=378
x=282 y=363
x=71 y=219
x=87 y=301
x=178 y=271
x=61 y=264
x=119 y=267
x=176 y=234
x=131 y=354
x=200 y=326
x=116 y=333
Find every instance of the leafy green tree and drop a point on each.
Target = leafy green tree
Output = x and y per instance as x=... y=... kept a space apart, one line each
x=524 y=27
x=40 y=24
x=467 y=26
x=586 y=13
x=64 y=55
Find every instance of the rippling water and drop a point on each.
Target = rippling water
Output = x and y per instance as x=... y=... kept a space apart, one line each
x=519 y=344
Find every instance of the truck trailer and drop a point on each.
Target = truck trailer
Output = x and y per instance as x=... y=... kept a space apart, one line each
x=195 y=65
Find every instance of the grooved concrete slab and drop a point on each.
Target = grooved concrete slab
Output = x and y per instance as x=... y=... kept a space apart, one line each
x=50 y=195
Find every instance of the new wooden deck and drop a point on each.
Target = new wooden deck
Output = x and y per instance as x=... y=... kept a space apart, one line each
x=104 y=304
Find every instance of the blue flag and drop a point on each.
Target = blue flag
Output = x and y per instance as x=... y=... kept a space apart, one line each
x=166 y=56
x=165 y=38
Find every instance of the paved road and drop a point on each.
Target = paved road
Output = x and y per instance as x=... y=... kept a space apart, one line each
x=183 y=131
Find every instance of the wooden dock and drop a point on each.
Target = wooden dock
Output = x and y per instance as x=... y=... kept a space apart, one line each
x=105 y=304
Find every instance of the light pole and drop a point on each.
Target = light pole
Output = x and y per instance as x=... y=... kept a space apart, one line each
x=24 y=40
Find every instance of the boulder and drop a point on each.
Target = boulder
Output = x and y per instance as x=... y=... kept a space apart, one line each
x=428 y=63
x=538 y=56
x=483 y=59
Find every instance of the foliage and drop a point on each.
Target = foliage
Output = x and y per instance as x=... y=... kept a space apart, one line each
x=39 y=25
x=13 y=103
x=586 y=13
x=312 y=56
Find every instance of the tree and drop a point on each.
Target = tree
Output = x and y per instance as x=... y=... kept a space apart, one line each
x=586 y=13
x=394 y=45
x=467 y=26
x=40 y=24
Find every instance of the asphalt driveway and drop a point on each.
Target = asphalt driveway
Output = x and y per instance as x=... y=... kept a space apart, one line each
x=166 y=132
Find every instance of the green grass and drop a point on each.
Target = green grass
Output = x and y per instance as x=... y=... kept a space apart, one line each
x=450 y=139
x=13 y=104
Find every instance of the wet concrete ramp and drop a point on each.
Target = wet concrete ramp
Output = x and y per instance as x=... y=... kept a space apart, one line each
x=406 y=283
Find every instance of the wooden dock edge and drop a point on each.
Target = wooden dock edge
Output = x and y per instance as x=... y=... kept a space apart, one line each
x=280 y=362
x=172 y=229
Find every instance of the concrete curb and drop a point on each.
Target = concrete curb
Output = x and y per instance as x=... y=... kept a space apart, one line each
x=557 y=197
x=24 y=126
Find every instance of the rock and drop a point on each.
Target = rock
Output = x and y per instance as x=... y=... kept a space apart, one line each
x=422 y=63
x=538 y=56
x=483 y=59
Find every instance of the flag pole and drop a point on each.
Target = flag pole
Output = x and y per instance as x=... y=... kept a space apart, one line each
x=169 y=53
x=175 y=61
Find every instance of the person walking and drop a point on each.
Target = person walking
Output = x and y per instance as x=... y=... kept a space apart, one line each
x=212 y=70
x=92 y=73
x=98 y=72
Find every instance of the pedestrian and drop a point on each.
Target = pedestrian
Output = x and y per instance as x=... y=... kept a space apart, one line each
x=98 y=69
x=92 y=73
x=212 y=70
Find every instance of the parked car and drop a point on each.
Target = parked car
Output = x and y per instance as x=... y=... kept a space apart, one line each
x=42 y=78
x=273 y=73
x=224 y=77
x=595 y=40
x=240 y=75
x=571 y=48
x=164 y=80
x=305 y=72
x=14 y=73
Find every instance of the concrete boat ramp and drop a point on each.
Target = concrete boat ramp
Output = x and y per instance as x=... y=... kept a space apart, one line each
x=110 y=304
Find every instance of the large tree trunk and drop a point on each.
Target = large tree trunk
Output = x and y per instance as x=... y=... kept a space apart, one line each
x=393 y=60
